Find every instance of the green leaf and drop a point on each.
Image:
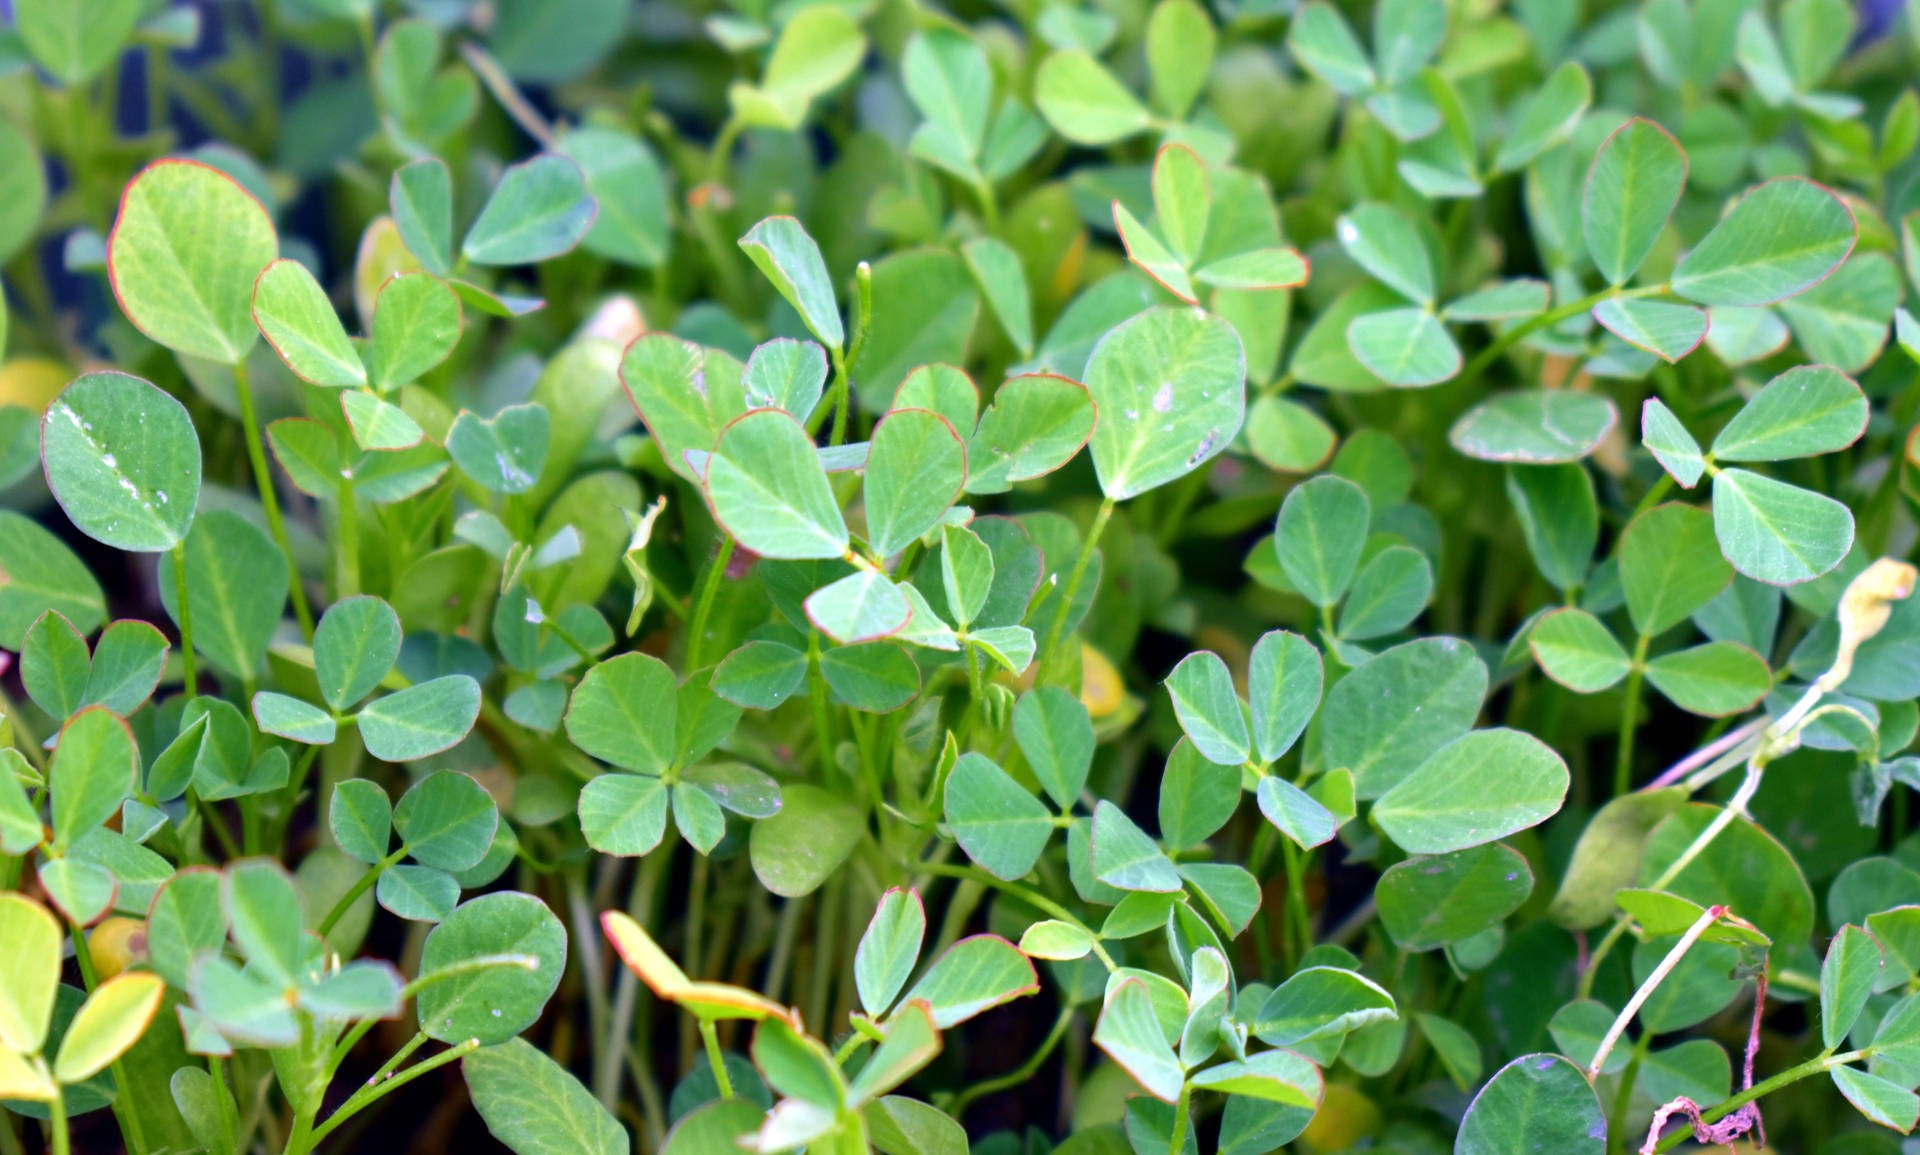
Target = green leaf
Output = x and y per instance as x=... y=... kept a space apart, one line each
x=998 y=824
x=769 y=491
x=1780 y=239
x=417 y=893
x=361 y=819
x=1055 y=941
x=76 y=40
x=1775 y=532
x=42 y=574
x=377 y=424
x=1388 y=716
x=1284 y=680
x=236 y=588
x=875 y=676
x=1390 y=247
x=421 y=720
x=127 y=663
x=1182 y=196
x=1125 y=857
x=1152 y=255
x=1012 y=647
x=292 y=719
x=446 y=821
x=1534 y=426
x=1848 y=977
x=915 y=470
x=1547 y=116
x=94 y=768
x=780 y=247
x=123 y=460
x=1055 y=735
x=1409 y=348
x=421 y=198
x=1805 y=411
x=1430 y=902
x=1324 y=44
x=1295 y=813
x=112 y=1019
x=535 y=1106
x=966 y=573
x=354 y=646
x=1843 y=320
x=1270 y=1076
x=539 y=209
x=1518 y=782
x=30 y=946
x=624 y=712
x=1180 y=43
x=1406 y=34
x=949 y=80
x=889 y=949
x=1003 y=282
x=1321 y=1002
x=1670 y=566
x=1744 y=868
x=82 y=891
x=626 y=181
x=185 y=921
x=1197 y=796
x=1084 y=102
x=1560 y=518
x=1635 y=181
x=1208 y=708
x=1669 y=332
x=1880 y=1100
x=1170 y=384
x=266 y=918
x=1036 y=424
x=295 y=316
x=623 y=814
x=760 y=675
x=1670 y=443
x=1319 y=534
x=20 y=829
x=820 y=46
x=1576 y=649
x=1387 y=594
x=794 y=851
x=416 y=324
x=193 y=297
x=860 y=607
x=504 y=453
x=974 y=975
x=1129 y=1032
x=54 y=665
x=1535 y=1103
x=1256 y=269
x=494 y=1003
x=785 y=374
x=1715 y=679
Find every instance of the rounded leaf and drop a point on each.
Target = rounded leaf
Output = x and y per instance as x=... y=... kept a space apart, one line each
x=123 y=460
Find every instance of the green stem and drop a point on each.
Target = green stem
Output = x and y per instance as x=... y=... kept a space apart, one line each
x=57 y=1122
x=703 y=609
x=817 y=697
x=123 y=1109
x=1019 y=1074
x=360 y=887
x=1031 y=897
x=1629 y=722
x=367 y=1095
x=223 y=1100
x=347 y=580
x=841 y=399
x=184 y=605
x=1819 y=1066
x=269 y=501
x=1500 y=344
x=1700 y=925
x=1177 y=1145
x=1048 y=652
x=714 y=1058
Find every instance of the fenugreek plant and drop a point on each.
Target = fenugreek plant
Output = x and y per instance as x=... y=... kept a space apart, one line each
x=600 y=577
